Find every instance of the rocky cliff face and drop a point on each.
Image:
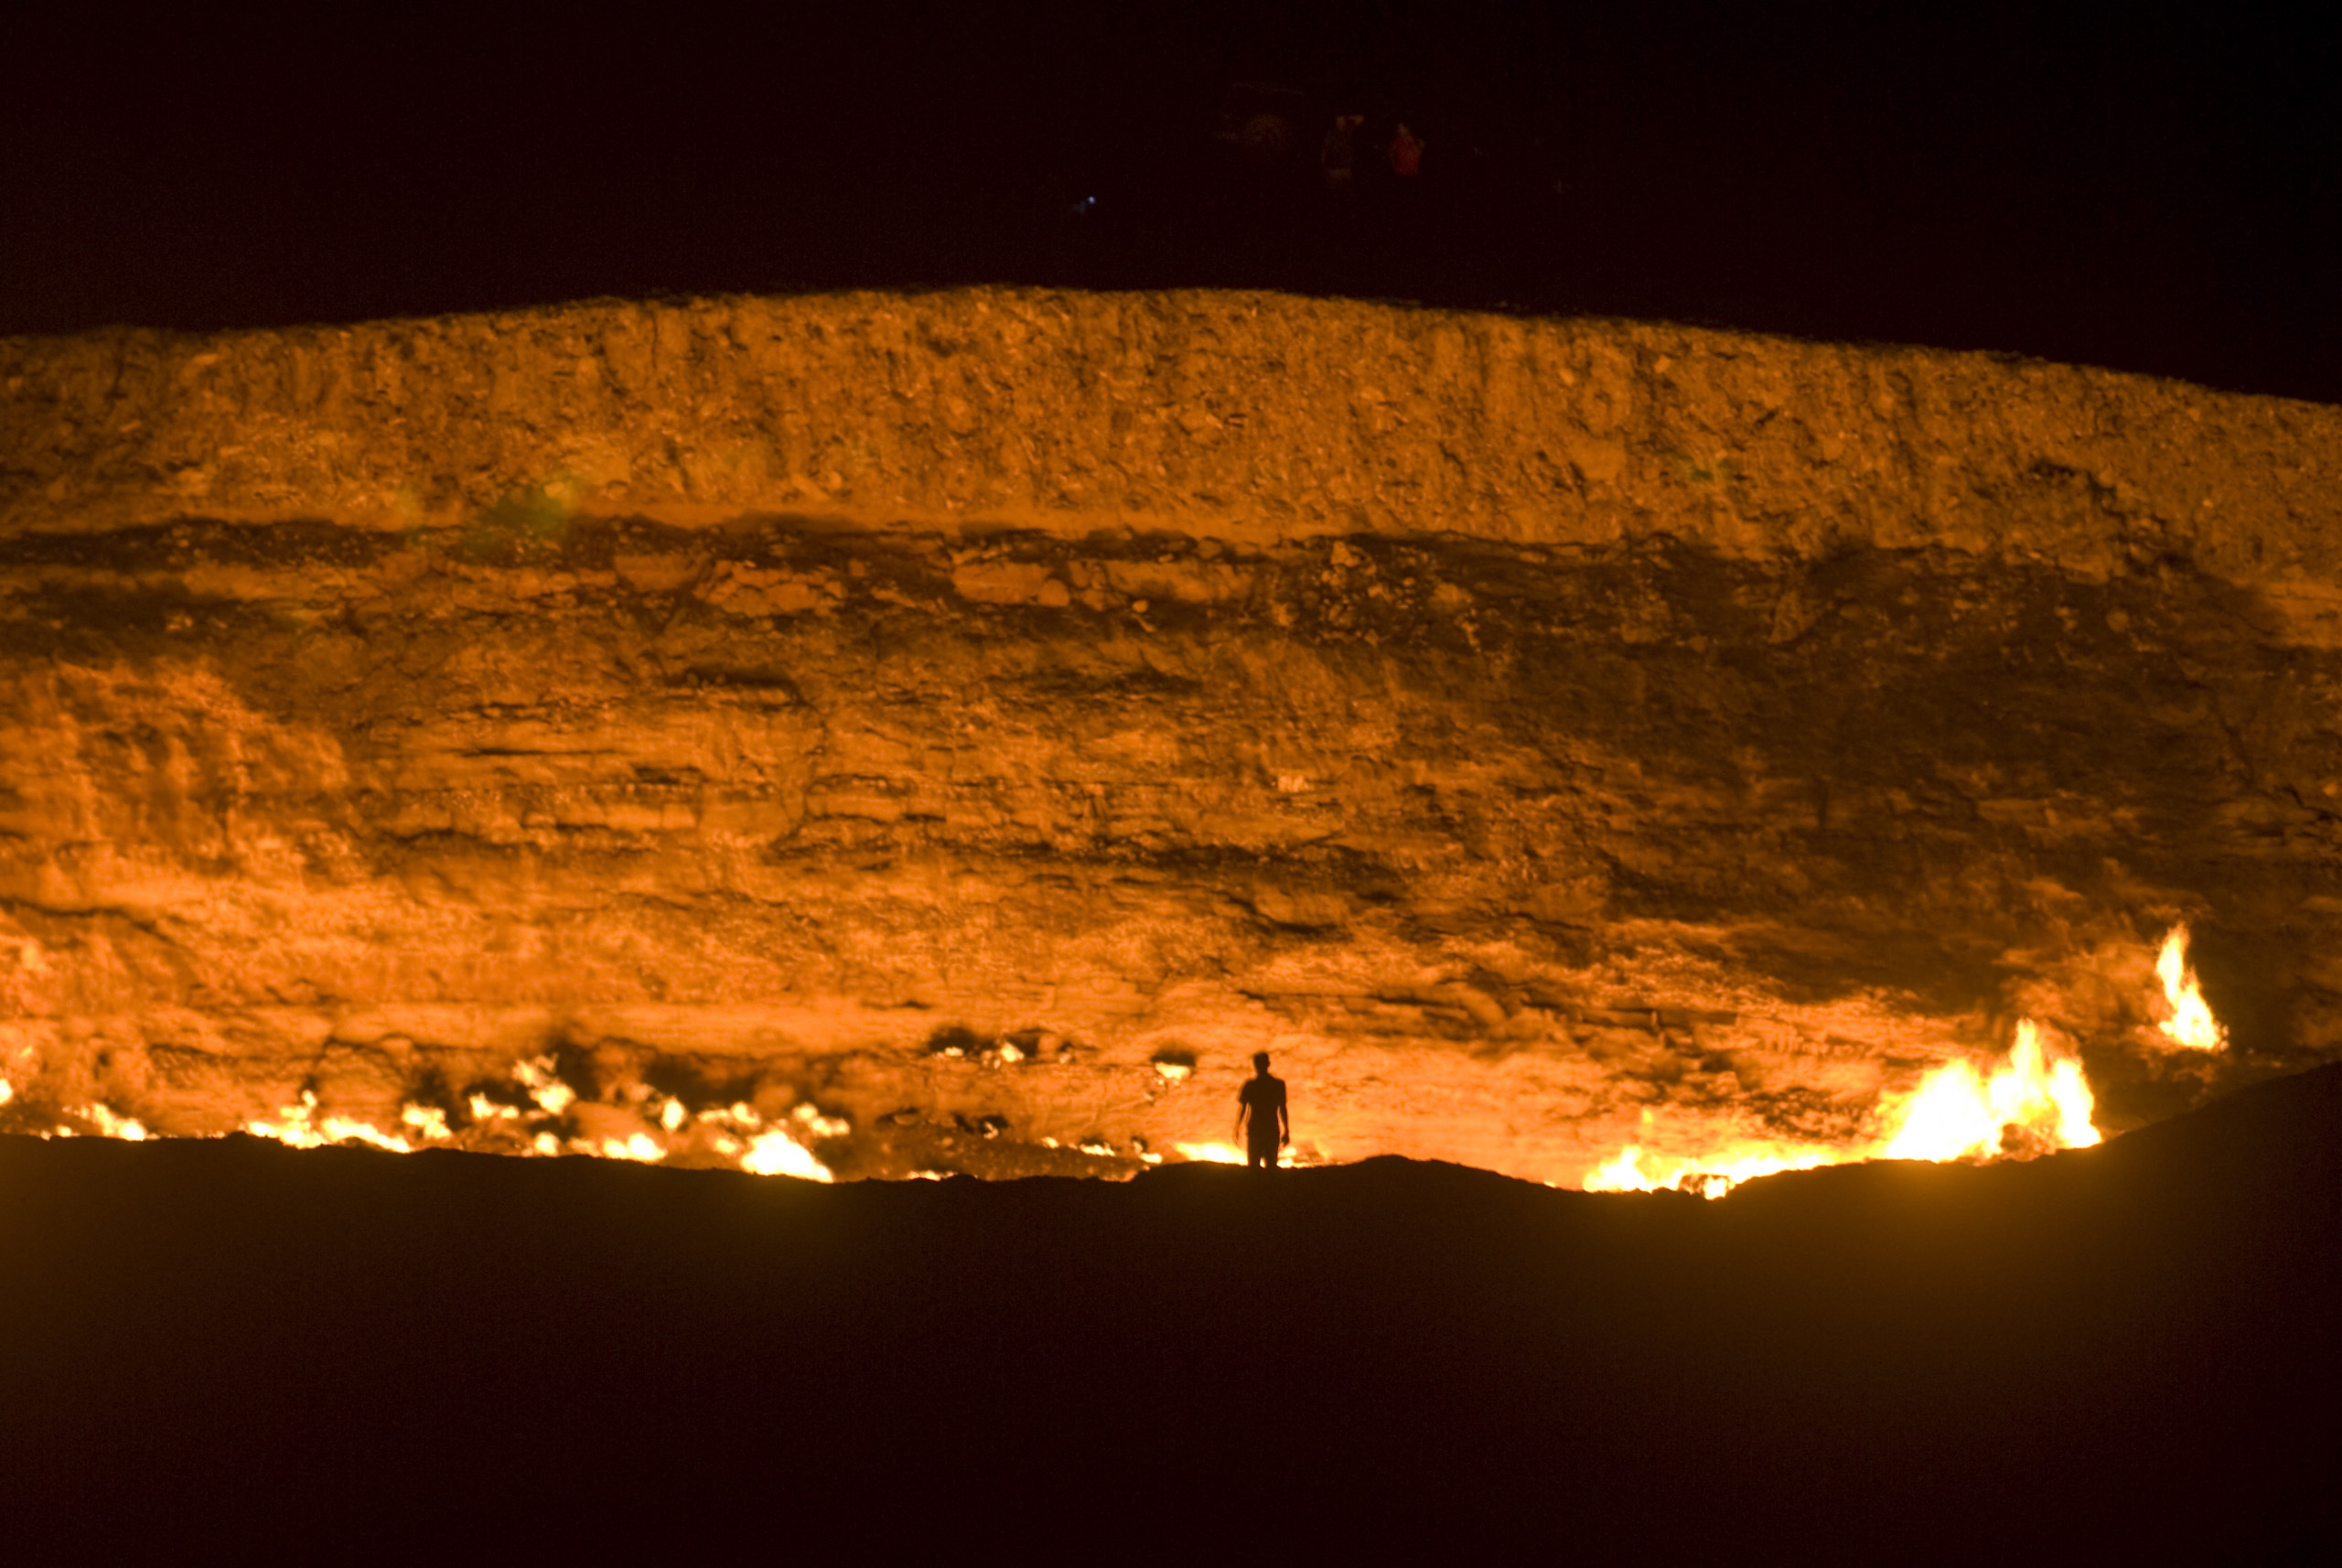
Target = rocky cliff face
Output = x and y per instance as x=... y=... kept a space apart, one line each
x=981 y=720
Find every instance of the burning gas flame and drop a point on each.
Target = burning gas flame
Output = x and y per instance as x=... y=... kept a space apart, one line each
x=2032 y=1103
x=552 y=1095
x=1290 y=1156
x=110 y=1124
x=2191 y=1023
x=540 y=1123
x=1710 y=1176
x=762 y=1150
x=2034 y=1100
x=300 y=1127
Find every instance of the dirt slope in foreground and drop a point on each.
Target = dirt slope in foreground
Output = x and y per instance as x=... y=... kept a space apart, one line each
x=2128 y=1348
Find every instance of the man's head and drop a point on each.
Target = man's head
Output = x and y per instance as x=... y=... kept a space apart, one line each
x=1261 y=1061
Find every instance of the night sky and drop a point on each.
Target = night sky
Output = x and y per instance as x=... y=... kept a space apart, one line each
x=2151 y=189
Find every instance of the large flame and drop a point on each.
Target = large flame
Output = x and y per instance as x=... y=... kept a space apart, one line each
x=2191 y=1023
x=2035 y=1100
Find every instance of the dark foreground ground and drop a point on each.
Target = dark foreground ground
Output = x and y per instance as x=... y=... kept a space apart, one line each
x=342 y=1356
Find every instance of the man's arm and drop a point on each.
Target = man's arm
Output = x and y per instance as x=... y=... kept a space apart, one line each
x=1242 y=1105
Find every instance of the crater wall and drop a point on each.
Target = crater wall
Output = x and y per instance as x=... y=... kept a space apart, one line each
x=986 y=717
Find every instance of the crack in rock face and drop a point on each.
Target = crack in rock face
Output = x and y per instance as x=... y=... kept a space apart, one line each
x=880 y=737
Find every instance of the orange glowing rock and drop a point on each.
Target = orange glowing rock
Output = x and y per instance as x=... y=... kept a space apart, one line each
x=810 y=748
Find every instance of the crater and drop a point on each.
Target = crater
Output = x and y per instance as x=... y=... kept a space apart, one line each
x=1540 y=764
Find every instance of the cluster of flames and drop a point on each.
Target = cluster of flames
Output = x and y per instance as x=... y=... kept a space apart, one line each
x=2033 y=1100
x=735 y=1136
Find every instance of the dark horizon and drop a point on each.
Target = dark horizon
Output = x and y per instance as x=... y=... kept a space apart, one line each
x=2153 y=191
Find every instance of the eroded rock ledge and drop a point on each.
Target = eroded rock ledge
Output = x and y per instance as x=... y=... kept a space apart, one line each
x=1544 y=735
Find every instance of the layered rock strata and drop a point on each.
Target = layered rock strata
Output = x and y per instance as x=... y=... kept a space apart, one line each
x=986 y=718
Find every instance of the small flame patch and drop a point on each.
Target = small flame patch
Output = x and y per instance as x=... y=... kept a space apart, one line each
x=541 y=1119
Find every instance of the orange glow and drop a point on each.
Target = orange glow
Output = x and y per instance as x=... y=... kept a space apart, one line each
x=2191 y=1024
x=734 y=1133
x=428 y=1123
x=741 y=1136
x=2032 y=1103
x=1710 y=1176
x=300 y=1127
x=552 y=1095
x=777 y=1153
x=111 y=1126
x=2035 y=1100
x=1213 y=1154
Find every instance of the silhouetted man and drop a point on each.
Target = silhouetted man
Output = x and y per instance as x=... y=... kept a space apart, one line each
x=1262 y=1101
